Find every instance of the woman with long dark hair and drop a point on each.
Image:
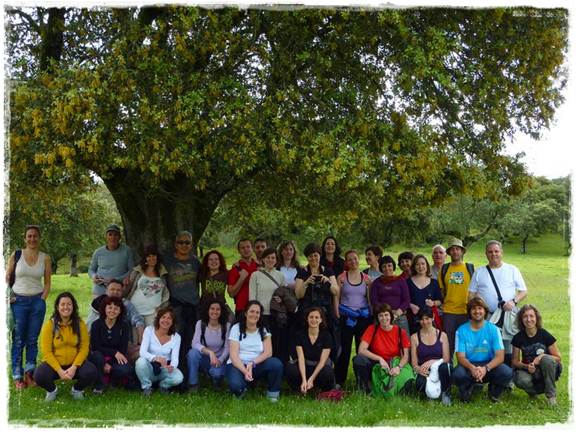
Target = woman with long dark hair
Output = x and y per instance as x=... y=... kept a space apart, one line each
x=213 y=277
x=65 y=343
x=330 y=256
x=210 y=346
x=424 y=291
x=147 y=286
x=28 y=275
x=313 y=368
x=251 y=354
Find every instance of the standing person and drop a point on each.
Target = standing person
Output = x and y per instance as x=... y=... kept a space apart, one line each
x=438 y=259
x=509 y=290
x=535 y=356
x=263 y=283
x=313 y=368
x=317 y=286
x=147 y=285
x=183 y=268
x=239 y=275
x=159 y=354
x=111 y=261
x=109 y=346
x=382 y=343
x=213 y=277
x=430 y=355
x=393 y=291
x=284 y=311
x=260 y=245
x=210 y=346
x=65 y=343
x=424 y=291
x=29 y=276
x=373 y=255
x=330 y=256
x=454 y=280
x=251 y=355
x=480 y=355
x=405 y=263
x=354 y=311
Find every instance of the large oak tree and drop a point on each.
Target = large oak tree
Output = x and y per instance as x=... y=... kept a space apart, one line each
x=340 y=113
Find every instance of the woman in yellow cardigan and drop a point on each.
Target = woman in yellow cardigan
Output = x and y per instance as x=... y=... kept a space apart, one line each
x=65 y=343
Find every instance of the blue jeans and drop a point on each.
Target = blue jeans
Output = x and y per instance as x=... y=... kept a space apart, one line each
x=497 y=379
x=145 y=374
x=201 y=362
x=28 y=314
x=271 y=369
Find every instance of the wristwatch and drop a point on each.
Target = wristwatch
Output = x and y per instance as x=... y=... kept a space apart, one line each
x=487 y=368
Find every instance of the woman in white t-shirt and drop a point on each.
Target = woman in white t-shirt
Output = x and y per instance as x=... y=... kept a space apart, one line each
x=251 y=354
x=147 y=287
x=159 y=352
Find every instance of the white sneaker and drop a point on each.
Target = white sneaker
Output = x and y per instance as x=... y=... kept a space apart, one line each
x=51 y=396
x=77 y=394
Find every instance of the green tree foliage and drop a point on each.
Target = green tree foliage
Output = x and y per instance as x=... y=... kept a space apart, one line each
x=335 y=114
x=72 y=217
x=542 y=209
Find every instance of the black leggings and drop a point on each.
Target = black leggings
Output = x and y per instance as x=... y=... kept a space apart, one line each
x=85 y=375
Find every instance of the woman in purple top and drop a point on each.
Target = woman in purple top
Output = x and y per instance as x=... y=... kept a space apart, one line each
x=210 y=346
x=430 y=352
x=391 y=290
x=353 y=310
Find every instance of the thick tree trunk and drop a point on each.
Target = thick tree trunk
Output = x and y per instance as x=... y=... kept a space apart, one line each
x=73 y=265
x=157 y=216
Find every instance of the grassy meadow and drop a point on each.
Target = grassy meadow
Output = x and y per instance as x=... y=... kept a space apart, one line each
x=545 y=269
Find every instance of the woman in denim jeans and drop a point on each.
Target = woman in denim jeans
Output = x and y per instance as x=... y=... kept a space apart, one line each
x=26 y=269
x=251 y=354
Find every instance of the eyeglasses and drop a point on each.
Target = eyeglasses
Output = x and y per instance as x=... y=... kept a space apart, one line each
x=184 y=242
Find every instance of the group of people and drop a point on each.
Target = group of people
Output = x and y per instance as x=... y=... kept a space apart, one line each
x=165 y=321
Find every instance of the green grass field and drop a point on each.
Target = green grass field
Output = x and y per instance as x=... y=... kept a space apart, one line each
x=545 y=270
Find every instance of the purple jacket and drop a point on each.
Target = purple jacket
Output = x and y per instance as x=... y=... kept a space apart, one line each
x=394 y=293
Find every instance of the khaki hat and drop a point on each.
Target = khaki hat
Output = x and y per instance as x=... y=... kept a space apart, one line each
x=113 y=227
x=455 y=242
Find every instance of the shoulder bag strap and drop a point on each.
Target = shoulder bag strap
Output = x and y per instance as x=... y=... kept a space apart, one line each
x=270 y=277
x=495 y=284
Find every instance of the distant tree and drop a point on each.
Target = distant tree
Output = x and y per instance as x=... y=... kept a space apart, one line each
x=543 y=208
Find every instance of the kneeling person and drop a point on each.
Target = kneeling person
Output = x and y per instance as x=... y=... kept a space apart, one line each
x=480 y=354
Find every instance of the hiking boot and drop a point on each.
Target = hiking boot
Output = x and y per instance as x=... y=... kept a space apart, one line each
x=77 y=394
x=552 y=401
x=29 y=379
x=164 y=390
x=465 y=394
x=147 y=392
x=51 y=396
x=193 y=388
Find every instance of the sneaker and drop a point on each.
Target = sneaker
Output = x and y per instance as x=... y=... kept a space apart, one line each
x=29 y=379
x=494 y=398
x=465 y=394
x=98 y=391
x=77 y=394
x=19 y=384
x=446 y=399
x=193 y=388
x=147 y=392
x=51 y=396
x=272 y=399
x=164 y=390
x=552 y=401
x=242 y=394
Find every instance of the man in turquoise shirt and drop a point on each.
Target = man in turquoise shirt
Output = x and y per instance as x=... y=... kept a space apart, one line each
x=480 y=354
